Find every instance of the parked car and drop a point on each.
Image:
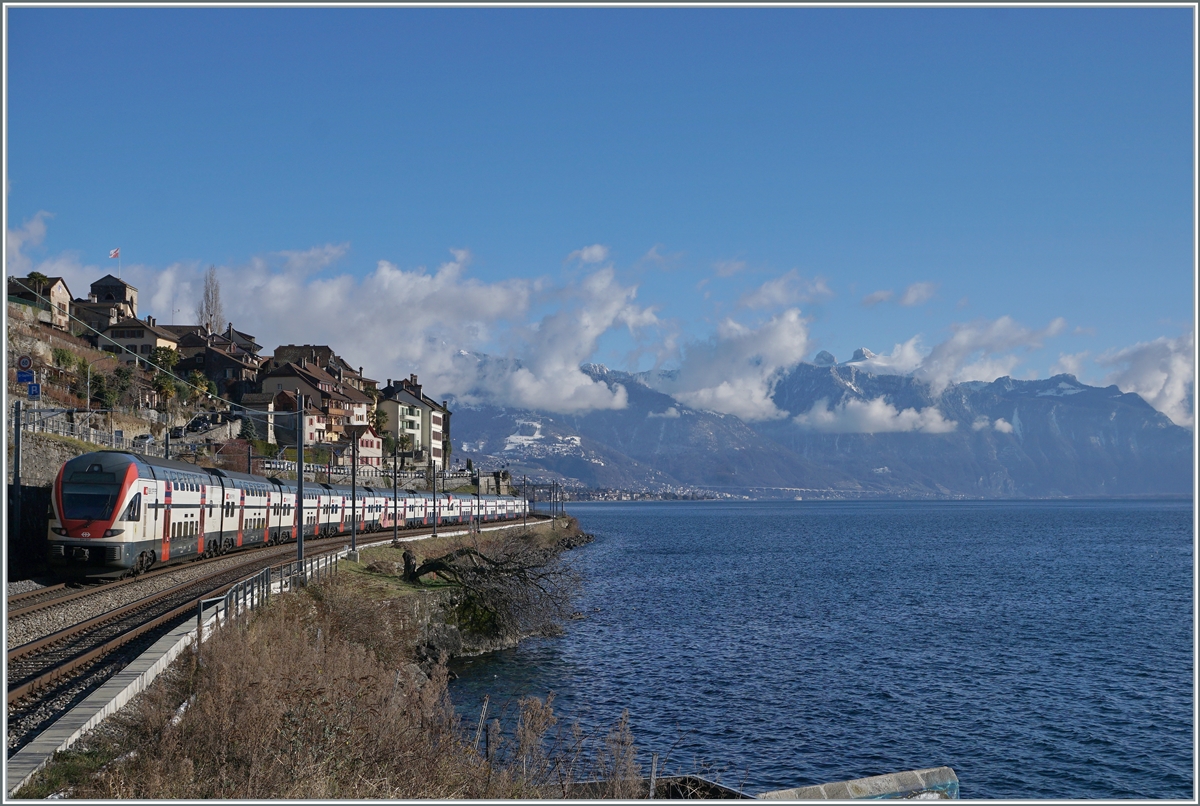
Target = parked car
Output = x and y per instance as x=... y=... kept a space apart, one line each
x=143 y=439
x=198 y=424
x=177 y=432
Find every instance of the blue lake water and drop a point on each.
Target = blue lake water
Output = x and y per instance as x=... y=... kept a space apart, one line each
x=1042 y=650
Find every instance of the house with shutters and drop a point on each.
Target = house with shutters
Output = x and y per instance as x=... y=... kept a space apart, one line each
x=342 y=404
x=223 y=360
x=134 y=340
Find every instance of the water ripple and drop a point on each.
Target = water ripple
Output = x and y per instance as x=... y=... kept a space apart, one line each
x=1040 y=649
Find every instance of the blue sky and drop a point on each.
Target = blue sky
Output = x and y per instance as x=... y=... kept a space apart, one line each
x=1025 y=175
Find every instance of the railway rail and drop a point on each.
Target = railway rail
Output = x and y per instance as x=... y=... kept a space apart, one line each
x=48 y=675
x=50 y=592
x=46 y=660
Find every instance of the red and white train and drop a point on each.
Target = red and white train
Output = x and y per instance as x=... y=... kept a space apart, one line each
x=115 y=512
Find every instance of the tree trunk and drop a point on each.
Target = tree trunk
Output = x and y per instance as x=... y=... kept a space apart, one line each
x=410 y=566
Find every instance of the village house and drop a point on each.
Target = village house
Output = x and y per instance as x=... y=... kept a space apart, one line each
x=276 y=409
x=434 y=417
x=222 y=360
x=110 y=300
x=51 y=296
x=323 y=356
x=405 y=416
x=135 y=337
x=370 y=451
x=342 y=405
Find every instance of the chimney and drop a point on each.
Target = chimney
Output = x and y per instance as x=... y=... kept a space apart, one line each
x=413 y=378
x=92 y=298
x=303 y=363
x=389 y=382
x=150 y=321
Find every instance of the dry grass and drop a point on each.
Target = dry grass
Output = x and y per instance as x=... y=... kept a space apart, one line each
x=317 y=697
x=301 y=703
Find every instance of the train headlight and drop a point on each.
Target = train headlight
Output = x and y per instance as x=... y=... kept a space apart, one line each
x=113 y=532
x=58 y=530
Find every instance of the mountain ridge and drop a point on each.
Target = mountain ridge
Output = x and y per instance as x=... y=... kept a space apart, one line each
x=1001 y=439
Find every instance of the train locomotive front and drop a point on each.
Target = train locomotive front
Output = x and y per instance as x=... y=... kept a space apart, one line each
x=102 y=506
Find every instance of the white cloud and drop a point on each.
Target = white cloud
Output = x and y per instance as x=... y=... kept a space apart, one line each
x=979 y=351
x=872 y=417
x=312 y=260
x=1161 y=371
x=903 y=359
x=1070 y=364
x=787 y=289
x=31 y=233
x=736 y=371
x=671 y=413
x=395 y=321
x=173 y=294
x=917 y=293
x=561 y=341
x=728 y=268
x=1000 y=424
x=596 y=253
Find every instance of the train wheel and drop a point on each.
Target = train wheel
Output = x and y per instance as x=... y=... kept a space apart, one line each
x=143 y=563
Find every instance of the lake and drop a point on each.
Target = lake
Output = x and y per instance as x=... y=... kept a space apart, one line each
x=1041 y=649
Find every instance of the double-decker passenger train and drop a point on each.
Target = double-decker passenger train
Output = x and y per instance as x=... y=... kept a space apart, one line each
x=115 y=512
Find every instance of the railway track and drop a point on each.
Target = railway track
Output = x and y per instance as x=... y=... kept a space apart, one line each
x=48 y=675
x=46 y=660
x=50 y=592
x=55 y=595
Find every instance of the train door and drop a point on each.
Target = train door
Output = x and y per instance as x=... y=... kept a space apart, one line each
x=152 y=523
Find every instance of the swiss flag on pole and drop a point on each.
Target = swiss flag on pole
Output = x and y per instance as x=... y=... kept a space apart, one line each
x=115 y=253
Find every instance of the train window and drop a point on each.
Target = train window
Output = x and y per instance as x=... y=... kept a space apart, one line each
x=133 y=512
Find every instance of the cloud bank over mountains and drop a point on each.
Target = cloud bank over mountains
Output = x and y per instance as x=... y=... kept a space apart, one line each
x=395 y=321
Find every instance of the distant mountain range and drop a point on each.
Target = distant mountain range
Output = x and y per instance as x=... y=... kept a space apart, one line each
x=1007 y=438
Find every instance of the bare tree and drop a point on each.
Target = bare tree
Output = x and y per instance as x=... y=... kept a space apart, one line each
x=515 y=588
x=208 y=311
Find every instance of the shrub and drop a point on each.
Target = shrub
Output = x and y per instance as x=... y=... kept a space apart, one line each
x=63 y=358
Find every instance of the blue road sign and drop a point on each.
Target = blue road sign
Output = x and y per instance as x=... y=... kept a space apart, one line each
x=24 y=376
x=35 y=391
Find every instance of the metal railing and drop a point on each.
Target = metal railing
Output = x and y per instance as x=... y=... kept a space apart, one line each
x=255 y=591
x=62 y=427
